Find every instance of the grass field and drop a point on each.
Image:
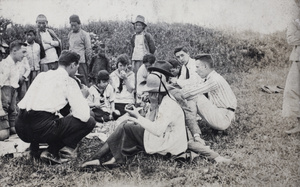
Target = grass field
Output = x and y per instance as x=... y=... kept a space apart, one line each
x=263 y=155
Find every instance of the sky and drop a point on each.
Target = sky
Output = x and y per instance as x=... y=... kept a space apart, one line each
x=264 y=16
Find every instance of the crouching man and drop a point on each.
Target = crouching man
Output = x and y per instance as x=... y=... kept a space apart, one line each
x=213 y=99
x=52 y=93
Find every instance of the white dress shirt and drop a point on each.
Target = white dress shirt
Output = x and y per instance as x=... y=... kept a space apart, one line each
x=52 y=90
x=51 y=55
x=9 y=73
x=193 y=76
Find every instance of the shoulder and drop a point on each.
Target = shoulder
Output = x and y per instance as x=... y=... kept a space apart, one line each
x=169 y=105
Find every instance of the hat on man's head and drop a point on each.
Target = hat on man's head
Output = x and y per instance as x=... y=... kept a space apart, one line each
x=102 y=75
x=156 y=82
x=67 y=57
x=75 y=18
x=162 y=66
x=141 y=19
x=41 y=18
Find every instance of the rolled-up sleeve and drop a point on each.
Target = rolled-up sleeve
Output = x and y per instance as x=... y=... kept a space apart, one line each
x=79 y=105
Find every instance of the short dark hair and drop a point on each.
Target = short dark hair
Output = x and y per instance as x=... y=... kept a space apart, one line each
x=30 y=31
x=16 y=45
x=174 y=63
x=207 y=58
x=123 y=59
x=102 y=75
x=67 y=57
x=149 y=58
x=181 y=48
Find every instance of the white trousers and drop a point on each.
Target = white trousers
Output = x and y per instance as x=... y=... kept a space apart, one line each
x=217 y=118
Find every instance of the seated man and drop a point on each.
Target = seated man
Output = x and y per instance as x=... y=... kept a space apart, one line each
x=51 y=93
x=213 y=99
x=162 y=131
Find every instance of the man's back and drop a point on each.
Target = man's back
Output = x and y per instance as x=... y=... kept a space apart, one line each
x=51 y=91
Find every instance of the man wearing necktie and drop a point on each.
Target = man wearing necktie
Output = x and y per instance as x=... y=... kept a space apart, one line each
x=218 y=108
x=187 y=72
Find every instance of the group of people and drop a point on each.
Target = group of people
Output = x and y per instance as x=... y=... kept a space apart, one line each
x=63 y=103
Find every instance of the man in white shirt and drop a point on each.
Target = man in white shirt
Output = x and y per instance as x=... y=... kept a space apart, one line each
x=51 y=44
x=187 y=73
x=215 y=100
x=52 y=93
x=9 y=82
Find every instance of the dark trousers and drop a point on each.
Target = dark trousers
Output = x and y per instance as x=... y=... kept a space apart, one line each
x=126 y=140
x=83 y=71
x=8 y=98
x=102 y=116
x=43 y=127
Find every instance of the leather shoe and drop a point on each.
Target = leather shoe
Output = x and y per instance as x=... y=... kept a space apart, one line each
x=68 y=153
x=48 y=157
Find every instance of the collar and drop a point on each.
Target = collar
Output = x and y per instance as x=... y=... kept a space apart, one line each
x=210 y=74
x=62 y=70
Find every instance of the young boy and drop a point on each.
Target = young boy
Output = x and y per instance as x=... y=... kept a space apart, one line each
x=99 y=62
x=141 y=42
x=33 y=54
x=24 y=71
x=101 y=99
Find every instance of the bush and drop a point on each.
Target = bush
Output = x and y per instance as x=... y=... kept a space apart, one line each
x=231 y=51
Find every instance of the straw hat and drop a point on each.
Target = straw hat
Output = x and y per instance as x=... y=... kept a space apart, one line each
x=141 y=19
x=156 y=82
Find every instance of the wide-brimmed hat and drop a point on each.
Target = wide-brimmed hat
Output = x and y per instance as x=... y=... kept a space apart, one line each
x=162 y=66
x=156 y=82
x=141 y=19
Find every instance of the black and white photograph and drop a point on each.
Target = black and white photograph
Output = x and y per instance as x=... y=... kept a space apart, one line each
x=149 y=93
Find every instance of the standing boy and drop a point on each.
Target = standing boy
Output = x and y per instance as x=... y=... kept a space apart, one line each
x=33 y=54
x=9 y=79
x=99 y=62
x=51 y=44
x=141 y=42
x=80 y=42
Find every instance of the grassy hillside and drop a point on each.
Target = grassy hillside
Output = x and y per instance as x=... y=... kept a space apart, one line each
x=231 y=51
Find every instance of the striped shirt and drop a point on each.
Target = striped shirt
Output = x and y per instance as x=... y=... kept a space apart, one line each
x=218 y=89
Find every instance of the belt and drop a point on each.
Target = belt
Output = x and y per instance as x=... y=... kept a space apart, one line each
x=231 y=109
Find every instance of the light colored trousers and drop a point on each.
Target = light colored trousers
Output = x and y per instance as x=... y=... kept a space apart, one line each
x=217 y=118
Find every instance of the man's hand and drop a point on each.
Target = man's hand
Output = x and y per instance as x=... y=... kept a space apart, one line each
x=132 y=111
x=21 y=80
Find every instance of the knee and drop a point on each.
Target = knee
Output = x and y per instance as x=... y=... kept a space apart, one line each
x=91 y=123
x=4 y=134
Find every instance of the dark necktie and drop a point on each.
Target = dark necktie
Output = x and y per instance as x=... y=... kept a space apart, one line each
x=187 y=73
x=205 y=94
x=121 y=85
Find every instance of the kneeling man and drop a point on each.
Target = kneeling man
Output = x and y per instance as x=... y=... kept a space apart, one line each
x=213 y=99
x=51 y=93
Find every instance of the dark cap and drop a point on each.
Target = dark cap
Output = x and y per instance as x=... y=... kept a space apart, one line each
x=75 y=18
